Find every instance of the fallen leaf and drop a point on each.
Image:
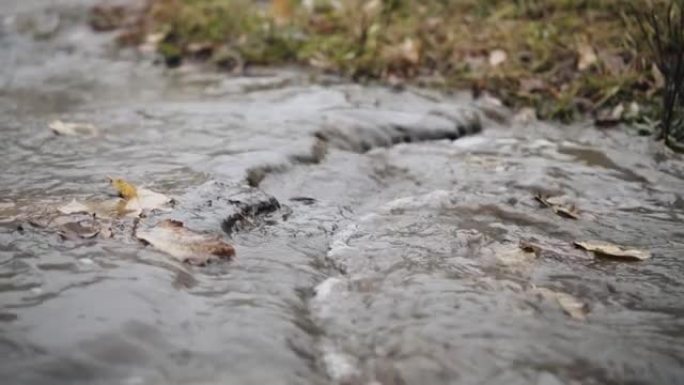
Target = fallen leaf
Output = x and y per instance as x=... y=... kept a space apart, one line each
x=76 y=207
x=173 y=238
x=497 y=57
x=138 y=199
x=563 y=210
x=658 y=78
x=73 y=129
x=633 y=111
x=410 y=51
x=511 y=255
x=525 y=116
x=126 y=190
x=586 y=56
x=571 y=306
x=148 y=200
x=609 y=118
x=609 y=250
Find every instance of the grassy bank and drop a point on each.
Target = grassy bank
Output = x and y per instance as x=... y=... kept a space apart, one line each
x=565 y=58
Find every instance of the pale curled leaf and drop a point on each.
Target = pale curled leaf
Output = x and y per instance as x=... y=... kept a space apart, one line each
x=570 y=304
x=497 y=57
x=509 y=255
x=73 y=129
x=138 y=199
x=586 y=56
x=563 y=210
x=76 y=207
x=609 y=250
x=148 y=200
x=173 y=238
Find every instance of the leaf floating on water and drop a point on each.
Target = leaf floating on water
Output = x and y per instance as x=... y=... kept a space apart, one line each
x=609 y=250
x=138 y=199
x=510 y=255
x=173 y=238
x=570 y=304
x=76 y=207
x=566 y=211
x=126 y=190
x=73 y=129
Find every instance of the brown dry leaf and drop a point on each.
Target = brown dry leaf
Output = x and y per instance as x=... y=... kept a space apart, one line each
x=73 y=129
x=282 y=10
x=563 y=210
x=570 y=305
x=173 y=238
x=586 y=56
x=609 y=250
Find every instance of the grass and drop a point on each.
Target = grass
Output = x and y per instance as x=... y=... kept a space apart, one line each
x=566 y=58
x=663 y=31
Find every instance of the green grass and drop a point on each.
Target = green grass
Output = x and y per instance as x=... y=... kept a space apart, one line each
x=441 y=43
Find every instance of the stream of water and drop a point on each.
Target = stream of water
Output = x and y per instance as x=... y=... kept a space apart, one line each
x=391 y=256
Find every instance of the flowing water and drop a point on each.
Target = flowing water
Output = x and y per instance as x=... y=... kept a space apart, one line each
x=390 y=257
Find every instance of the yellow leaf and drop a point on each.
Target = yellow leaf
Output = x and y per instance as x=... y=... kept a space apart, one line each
x=126 y=190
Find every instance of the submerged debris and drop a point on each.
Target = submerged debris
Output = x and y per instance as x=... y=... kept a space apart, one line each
x=570 y=304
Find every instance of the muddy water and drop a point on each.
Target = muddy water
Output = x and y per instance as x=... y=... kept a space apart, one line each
x=391 y=256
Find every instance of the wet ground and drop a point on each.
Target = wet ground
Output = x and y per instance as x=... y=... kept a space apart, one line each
x=383 y=247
